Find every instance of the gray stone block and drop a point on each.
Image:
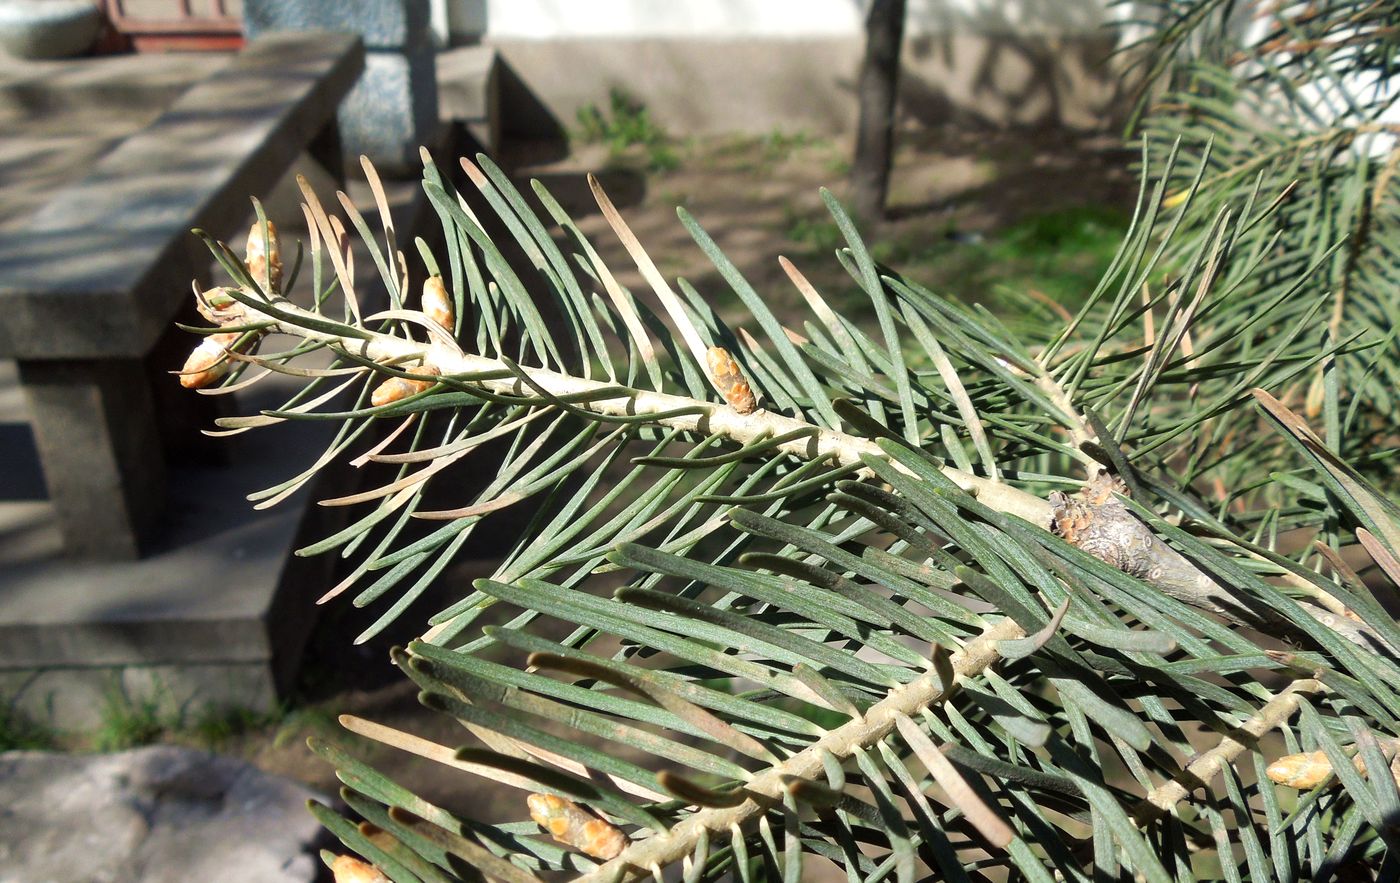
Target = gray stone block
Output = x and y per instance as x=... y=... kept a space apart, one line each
x=393 y=109
x=469 y=92
x=382 y=24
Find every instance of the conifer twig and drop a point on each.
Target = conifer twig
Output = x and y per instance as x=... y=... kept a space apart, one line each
x=1206 y=765
x=767 y=788
x=710 y=417
x=1098 y=524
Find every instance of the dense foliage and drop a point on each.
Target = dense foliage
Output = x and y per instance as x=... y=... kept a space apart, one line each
x=956 y=596
x=1299 y=99
x=874 y=621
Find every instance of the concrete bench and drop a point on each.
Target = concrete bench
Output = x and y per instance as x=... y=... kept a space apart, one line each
x=91 y=285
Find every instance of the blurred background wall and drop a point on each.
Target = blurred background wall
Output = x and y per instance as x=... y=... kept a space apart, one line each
x=755 y=65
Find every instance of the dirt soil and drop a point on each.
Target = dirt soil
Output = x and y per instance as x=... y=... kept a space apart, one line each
x=953 y=195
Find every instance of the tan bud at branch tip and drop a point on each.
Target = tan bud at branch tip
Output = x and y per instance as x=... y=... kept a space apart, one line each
x=398 y=388
x=437 y=306
x=208 y=362
x=570 y=824
x=348 y=869
x=730 y=380
x=264 y=264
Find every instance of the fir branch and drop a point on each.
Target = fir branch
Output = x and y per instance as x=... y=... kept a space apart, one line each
x=766 y=789
x=1116 y=536
x=1199 y=772
x=709 y=643
x=810 y=442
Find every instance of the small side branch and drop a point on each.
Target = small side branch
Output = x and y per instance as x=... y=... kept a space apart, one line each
x=766 y=789
x=1200 y=771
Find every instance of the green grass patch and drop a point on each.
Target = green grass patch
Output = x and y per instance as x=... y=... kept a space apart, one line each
x=19 y=732
x=779 y=145
x=626 y=128
x=1060 y=254
x=128 y=723
x=817 y=233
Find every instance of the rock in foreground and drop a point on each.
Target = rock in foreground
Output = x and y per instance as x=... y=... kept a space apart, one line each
x=155 y=815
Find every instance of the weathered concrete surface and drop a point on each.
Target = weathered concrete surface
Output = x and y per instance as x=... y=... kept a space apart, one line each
x=469 y=92
x=129 y=217
x=61 y=116
x=161 y=814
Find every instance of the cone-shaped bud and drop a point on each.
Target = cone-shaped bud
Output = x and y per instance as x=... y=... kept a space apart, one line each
x=397 y=388
x=348 y=869
x=208 y=363
x=730 y=380
x=1302 y=771
x=264 y=265
x=216 y=306
x=570 y=824
x=436 y=304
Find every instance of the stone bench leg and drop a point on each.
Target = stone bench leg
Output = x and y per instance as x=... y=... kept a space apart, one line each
x=326 y=149
x=182 y=413
x=101 y=451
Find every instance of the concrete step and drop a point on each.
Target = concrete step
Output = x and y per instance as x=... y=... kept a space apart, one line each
x=469 y=92
x=215 y=616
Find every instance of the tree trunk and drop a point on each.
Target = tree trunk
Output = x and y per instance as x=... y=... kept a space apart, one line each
x=879 y=81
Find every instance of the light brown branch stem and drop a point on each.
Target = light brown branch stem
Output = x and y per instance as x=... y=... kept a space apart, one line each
x=1200 y=771
x=768 y=787
x=712 y=417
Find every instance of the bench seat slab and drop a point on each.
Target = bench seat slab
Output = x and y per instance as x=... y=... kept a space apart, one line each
x=91 y=275
x=90 y=286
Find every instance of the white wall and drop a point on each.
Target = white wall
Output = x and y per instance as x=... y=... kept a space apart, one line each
x=768 y=19
x=703 y=42
x=753 y=65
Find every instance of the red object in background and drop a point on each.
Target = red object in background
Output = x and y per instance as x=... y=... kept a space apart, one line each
x=183 y=31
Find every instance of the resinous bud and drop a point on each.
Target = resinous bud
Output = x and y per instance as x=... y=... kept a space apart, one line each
x=1306 y=770
x=208 y=362
x=730 y=380
x=398 y=388
x=348 y=869
x=264 y=264
x=437 y=306
x=572 y=825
